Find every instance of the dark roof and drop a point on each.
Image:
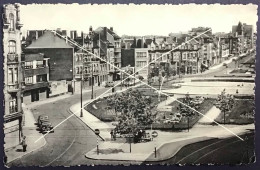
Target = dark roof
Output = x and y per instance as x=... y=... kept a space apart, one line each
x=148 y=41
x=49 y=40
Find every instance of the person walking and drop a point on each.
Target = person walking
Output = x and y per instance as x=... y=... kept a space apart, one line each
x=23 y=143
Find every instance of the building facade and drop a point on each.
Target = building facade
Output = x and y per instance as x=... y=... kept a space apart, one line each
x=35 y=77
x=13 y=114
x=141 y=62
x=60 y=53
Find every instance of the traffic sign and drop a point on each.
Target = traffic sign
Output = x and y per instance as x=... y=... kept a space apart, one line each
x=154 y=134
x=97 y=132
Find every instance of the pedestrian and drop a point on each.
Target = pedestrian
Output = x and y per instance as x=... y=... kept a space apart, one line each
x=113 y=90
x=24 y=145
x=98 y=83
x=111 y=133
x=237 y=91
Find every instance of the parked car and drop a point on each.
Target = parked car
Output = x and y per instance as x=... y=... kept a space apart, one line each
x=42 y=119
x=46 y=127
x=109 y=84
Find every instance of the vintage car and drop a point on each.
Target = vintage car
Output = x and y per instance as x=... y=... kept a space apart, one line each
x=46 y=127
x=42 y=119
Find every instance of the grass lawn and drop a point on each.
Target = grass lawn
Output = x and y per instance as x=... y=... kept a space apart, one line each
x=98 y=108
x=203 y=108
x=241 y=113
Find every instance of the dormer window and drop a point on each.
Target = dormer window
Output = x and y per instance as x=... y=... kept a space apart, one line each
x=11 y=18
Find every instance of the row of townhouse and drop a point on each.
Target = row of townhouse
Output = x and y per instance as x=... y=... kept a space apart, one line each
x=190 y=53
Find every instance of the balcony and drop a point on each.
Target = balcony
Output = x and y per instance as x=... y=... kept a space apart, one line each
x=13 y=87
x=29 y=71
x=12 y=58
x=13 y=109
x=117 y=49
x=12 y=116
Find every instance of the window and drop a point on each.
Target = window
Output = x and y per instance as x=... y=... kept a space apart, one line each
x=41 y=78
x=28 y=64
x=12 y=75
x=77 y=70
x=13 y=104
x=39 y=64
x=28 y=80
x=11 y=17
x=12 y=47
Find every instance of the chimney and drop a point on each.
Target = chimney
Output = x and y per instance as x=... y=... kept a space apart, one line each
x=64 y=33
x=111 y=28
x=58 y=30
x=90 y=29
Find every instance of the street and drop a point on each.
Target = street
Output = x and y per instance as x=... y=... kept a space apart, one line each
x=70 y=141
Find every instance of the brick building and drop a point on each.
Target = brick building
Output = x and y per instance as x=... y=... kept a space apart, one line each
x=59 y=52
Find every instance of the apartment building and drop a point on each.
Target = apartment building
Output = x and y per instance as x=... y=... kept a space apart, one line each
x=13 y=113
x=35 y=77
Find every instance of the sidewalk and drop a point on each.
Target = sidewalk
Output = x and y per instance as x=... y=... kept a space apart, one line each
x=29 y=130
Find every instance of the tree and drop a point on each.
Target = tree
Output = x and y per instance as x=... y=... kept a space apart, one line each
x=225 y=103
x=136 y=112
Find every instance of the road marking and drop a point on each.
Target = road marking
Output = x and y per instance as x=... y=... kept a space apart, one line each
x=65 y=150
x=198 y=151
x=215 y=150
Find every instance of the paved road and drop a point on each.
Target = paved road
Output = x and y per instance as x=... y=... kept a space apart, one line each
x=218 y=151
x=70 y=141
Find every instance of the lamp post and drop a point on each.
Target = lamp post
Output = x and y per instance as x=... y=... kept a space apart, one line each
x=92 y=82
x=81 y=111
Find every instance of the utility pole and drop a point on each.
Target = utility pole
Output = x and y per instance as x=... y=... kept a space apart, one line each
x=92 y=82
x=121 y=79
x=81 y=111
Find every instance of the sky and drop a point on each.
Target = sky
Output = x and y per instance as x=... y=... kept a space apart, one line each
x=138 y=20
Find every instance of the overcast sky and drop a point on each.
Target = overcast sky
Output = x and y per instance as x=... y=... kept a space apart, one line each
x=137 y=19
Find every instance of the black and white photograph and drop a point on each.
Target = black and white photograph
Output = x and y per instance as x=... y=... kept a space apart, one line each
x=129 y=84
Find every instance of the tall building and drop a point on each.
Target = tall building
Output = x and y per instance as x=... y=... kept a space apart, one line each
x=107 y=45
x=13 y=115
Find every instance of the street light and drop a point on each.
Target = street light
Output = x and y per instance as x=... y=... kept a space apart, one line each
x=92 y=82
x=81 y=109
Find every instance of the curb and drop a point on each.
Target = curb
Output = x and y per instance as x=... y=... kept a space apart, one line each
x=26 y=153
x=69 y=110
